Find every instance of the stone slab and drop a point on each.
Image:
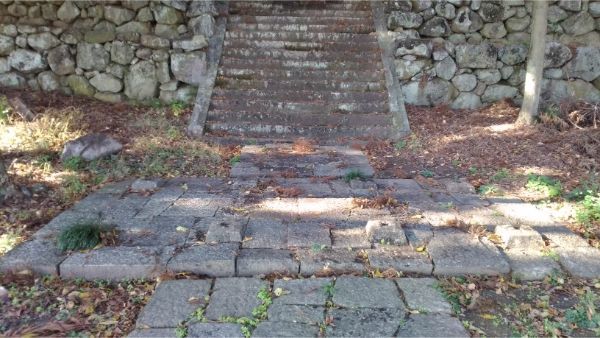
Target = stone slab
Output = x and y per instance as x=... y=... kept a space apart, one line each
x=113 y=263
x=37 y=255
x=214 y=330
x=266 y=234
x=422 y=295
x=234 y=297
x=196 y=205
x=255 y=262
x=285 y=329
x=432 y=325
x=386 y=230
x=522 y=212
x=362 y=292
x=216 y=260
x=355 y=238
x=159 y=202
x=296 y=313
x=124 y=209
x=158 y=231
x=402 y=259
x=364 y=322
x=307 y=235
x=327 y=262
x=418 y=233
x=530 y=263
x=332 y=208
x=580 y=262
x=173 y=302
x=523 y=237
x=457 y=253
x=153 y=333
x=226 y=229
x=302 y=291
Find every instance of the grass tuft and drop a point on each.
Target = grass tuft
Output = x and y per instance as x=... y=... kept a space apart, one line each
x=81 y=236
x=355 y=174
x=544 y=184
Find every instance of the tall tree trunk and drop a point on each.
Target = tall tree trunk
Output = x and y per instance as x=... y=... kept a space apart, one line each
x=535 y=64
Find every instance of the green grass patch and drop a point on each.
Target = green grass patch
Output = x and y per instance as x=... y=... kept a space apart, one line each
x=427 y=173
x=544 y=184
x=500 y=175
x=355 y=175
x=488 y=189
x=588 y=210
x=585 y=314
x=81 y=236
x=235 y=159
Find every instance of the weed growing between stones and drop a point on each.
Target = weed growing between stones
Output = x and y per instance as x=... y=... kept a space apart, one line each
x=259 y=313
x=84 y=236
x=550 y=187
x=355 y=174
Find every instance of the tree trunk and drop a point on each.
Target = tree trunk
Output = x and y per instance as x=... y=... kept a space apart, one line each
x=535 y=64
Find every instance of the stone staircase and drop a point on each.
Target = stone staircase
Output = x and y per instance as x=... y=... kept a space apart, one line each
x=300 y=68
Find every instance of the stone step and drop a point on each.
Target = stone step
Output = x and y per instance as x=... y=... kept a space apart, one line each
x=300 y=27
x=300 y=36
x=251 y=129
x=343 y=47
x=303 y=12
x=242 y=73
x=313 y=55
x=349 y=120
x=331 y=85
x=290 y=5
x=233 y=62
x=322 y=97
x=281 y=19
x=276 y=107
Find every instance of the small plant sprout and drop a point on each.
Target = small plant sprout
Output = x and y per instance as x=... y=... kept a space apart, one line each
x=427 y=173
x=355 y=174
x=544 y=184
x=329 y=289
x=234 y=160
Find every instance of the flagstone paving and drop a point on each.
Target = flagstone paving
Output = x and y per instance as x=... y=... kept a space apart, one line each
x=266 y=221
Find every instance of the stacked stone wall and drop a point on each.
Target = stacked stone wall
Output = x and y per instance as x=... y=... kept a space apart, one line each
x=112 y=50
x=467 y=53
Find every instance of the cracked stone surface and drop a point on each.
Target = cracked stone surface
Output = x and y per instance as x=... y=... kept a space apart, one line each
x=360 y=292
x=420 y=325
x=421 y=295
x=234 y=297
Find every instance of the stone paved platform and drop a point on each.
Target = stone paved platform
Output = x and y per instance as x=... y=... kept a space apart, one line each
x=346 y=306
x=255 y=226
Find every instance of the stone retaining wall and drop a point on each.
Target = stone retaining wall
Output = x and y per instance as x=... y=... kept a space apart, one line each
x=111 y=50
x=467 y=53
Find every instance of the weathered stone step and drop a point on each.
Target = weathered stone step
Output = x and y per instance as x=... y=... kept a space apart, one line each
x=252 y=129
x=348 y=120
x=299 y=27
x=305 y=55
x=300 y=36
x=275 y=107
x=345 y=47
x=289 y=5
x=281 y=19
x=303 y=12
x=330 y=85
x=299 y=96
x=233 y=62
x=298 y=74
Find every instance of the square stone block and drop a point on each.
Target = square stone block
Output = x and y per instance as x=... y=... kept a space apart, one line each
x=215 y=260
x=256 y=262
x=234 y=297
x=362 y=292
x=226 y=229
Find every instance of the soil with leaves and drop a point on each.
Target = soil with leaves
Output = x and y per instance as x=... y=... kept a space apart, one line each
x=555 y=162
x=496 y=307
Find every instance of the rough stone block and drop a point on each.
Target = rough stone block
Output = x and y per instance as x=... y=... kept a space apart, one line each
x=523 y=237
x=268 y=233
x=362 y=292
x=421 y=295
x=401 y=259
x=173 y=302
x=386 y=230
x=153 y=333
x=457 y=253
x=418 y=233
x=307 y=235
x=211 y=260
x=39 y=256
x=365 y=322
x=215 y=330
x=234 y=297
x=296 y=313
x=530 y=264
x=159 y=231
x=327 y=262
x=226 y=229
x=196 y=205
x=285 y=329
x=302 y=291
x=350 y=238
x=432 y=325
x=255 y=262
x=112 y=263
x=160 y=201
